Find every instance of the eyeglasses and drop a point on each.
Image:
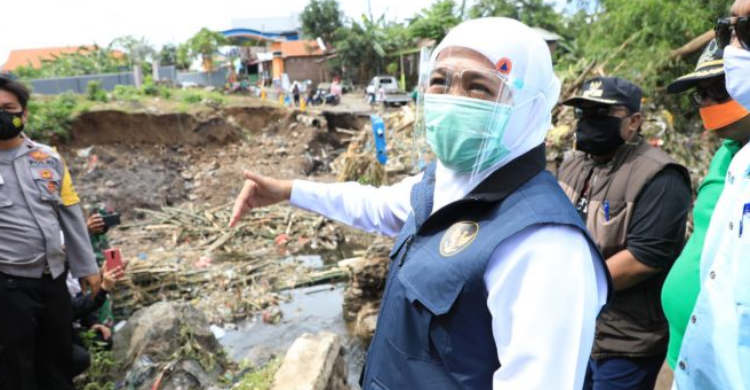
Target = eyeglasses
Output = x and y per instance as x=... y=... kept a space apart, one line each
x=728 y=28
x=597 y=111
x=717 y=92
x=477 y=84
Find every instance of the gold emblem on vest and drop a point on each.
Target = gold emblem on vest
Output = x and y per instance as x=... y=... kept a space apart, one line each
x=458 y=237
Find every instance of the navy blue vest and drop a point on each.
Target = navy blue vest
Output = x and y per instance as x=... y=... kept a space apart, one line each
x=434 y=330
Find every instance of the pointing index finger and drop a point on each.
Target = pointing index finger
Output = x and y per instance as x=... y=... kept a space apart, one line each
x=241 y=203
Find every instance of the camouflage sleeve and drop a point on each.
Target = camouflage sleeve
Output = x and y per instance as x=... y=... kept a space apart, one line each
x=77 y=244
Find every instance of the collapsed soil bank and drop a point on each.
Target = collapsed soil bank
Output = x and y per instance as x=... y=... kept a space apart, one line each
x=147 y=160
x=217 y=128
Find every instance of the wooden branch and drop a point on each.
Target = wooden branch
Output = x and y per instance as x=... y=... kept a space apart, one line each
x=693 y=46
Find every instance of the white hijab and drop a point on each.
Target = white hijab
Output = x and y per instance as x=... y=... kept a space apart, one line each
x=499 y=39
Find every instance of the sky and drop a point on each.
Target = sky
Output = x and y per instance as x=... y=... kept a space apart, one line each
x=48 y=23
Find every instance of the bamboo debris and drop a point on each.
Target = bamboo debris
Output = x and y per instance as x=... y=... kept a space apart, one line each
x=230 y=272
x=359 y=162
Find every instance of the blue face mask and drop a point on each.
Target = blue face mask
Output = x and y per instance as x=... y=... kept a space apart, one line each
x=737 y=69
x=464 y=133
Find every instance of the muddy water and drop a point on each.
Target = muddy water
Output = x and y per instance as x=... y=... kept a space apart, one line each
x=308 y=310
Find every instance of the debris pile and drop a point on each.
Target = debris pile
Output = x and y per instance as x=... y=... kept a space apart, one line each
x=168 y=346
x=229 y=272
x=367 y=275
x=313 y=362
x=359 y=162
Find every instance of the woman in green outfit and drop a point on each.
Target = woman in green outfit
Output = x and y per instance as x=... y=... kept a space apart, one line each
x=731 y=122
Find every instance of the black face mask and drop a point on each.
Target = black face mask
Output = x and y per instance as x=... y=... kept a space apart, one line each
x=599 y=135
x=11 y=124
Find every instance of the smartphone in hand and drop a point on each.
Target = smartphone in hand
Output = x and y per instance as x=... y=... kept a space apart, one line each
x=113 y=258
x=111 y=220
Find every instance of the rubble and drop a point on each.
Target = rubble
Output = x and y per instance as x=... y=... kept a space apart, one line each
x=366 y=282
x=367 y=277
x=230 y=273
x=313 y=362
x=359 y=162
x=168 y=346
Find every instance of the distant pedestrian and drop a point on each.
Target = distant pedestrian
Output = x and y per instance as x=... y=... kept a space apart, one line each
x=295 y=93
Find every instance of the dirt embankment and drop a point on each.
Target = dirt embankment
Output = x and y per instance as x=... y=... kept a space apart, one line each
x=217 y=128
x=146 y=160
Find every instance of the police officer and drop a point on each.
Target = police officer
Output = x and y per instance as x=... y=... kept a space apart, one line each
x=493 y=281
x=634 y=199
x=38 y=210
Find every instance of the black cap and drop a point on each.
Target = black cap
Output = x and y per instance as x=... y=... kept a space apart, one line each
x=711 y=64
x=610 y=91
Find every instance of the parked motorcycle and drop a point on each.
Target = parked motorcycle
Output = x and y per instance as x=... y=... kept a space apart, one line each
x=322 y=96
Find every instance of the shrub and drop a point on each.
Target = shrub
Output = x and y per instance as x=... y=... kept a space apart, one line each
x=149 y=88
x=164 y=92
x=51 y=117
x=126 y=92
x=192 y=98
x=95 y=92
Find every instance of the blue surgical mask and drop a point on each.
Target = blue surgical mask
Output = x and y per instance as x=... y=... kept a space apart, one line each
x=737 y=69
x=465 y=134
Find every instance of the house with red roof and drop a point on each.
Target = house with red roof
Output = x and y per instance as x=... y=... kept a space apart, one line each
x=34 y=57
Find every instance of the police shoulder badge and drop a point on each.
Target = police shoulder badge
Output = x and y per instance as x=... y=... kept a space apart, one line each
x=39 y=155
x=458 y=237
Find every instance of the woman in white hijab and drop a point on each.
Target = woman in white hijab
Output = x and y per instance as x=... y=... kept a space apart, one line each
x=494 y=282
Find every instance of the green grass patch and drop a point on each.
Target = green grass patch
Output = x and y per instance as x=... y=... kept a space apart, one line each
x=260 y=379
x=51 y=117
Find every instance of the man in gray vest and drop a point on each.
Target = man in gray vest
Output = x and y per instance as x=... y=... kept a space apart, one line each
x=634 y=200
x=38 y=209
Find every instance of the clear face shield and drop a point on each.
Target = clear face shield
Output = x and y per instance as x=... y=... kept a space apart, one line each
x=464 y=108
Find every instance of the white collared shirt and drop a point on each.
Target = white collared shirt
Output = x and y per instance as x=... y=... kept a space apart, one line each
x=545 y=287
x=715 y=352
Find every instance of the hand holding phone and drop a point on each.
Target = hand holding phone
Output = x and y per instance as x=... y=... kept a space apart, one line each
x=113 y=259
x=111 y=220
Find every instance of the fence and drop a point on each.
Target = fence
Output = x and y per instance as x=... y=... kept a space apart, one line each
x=217 y=78
x=77 y=84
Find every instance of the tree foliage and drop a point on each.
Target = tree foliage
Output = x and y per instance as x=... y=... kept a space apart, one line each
x=647 y=30
x=168 y=54
x=183 y=56
x=137 y=50
x=534 y=13
x=84 y=61
x=365 y=47
x=435 y=22
x=321 y=18
x=206 y=44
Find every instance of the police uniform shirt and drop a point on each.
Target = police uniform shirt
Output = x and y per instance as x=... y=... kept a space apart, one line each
x=38 y=209
x=544 y=287
x=23 y=242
